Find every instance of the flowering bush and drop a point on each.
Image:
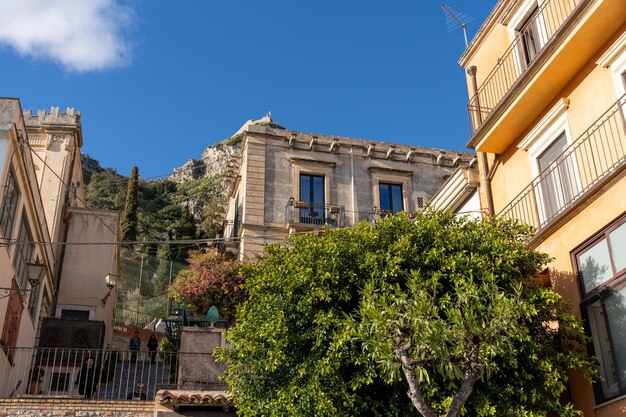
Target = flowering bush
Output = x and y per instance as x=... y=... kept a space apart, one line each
x=209 y=280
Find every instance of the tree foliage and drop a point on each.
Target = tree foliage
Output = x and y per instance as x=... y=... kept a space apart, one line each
x=210 y=279
x=106 y=190
x=128 y=222
x=446 y=308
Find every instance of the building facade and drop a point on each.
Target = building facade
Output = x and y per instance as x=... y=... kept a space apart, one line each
x=546 y=82
x=43 y=221
x=294 y=182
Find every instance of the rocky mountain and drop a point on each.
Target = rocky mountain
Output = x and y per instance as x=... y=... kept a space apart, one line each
x=200 y=185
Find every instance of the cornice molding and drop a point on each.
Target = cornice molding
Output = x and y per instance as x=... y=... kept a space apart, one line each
x=390 y=171
x=302 y=161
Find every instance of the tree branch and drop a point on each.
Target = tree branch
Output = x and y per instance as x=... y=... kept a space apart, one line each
x=472 y=371
x=415 y=390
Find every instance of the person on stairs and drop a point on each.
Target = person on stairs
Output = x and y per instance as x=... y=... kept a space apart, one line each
x=134 y=346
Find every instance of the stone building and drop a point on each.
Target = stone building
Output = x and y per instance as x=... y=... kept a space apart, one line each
x=43 y=220
x=292 y=182
x=546 y=82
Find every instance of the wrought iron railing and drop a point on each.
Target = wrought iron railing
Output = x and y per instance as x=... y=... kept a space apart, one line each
x=112 y=375
x=531 y=39
x=314 y=214
x=598 y=152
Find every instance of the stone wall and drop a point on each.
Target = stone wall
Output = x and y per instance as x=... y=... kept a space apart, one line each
x=27 y=407
x=200 y=372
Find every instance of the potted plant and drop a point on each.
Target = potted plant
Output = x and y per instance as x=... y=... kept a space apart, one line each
x=301 y=204
x=34 y=380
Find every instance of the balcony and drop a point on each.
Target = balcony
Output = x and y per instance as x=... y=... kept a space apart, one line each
x=557 y=41
x=532 y=38
x=230 y=236
x=593 y=159
x=307 y=215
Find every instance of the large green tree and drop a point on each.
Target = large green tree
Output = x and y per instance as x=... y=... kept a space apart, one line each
x=443 y=308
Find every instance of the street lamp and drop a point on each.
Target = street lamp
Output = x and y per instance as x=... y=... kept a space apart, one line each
x=35 y=271
x=111 y=281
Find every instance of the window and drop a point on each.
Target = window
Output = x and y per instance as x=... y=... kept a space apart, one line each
x=12 y=319
x=390 y=198
x=557 y=178
x=75 y=314
x=10 y=197
x=553 y=163
x=312 y=195
x=24 y=250
x=601 y=267
x=528 y=32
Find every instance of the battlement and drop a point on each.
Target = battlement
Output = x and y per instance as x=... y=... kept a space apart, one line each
x=71 y=117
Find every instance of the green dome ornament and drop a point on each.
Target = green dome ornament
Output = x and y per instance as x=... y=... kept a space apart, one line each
x=212 y=315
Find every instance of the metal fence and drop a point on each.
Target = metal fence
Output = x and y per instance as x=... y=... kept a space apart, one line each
x=598 y=152
x=104 y=374
x=531 y=39
x=131 y=318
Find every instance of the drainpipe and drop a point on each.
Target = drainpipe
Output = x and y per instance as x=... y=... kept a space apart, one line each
x=354 y=217
x=471 y=71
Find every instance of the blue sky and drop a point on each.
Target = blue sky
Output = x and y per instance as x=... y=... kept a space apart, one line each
x=158 y=81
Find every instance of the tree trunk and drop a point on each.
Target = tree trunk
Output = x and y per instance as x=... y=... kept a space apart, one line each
x=415 y=390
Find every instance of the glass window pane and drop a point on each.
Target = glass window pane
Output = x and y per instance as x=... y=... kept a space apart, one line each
x=594 y=265
x=305 y=188
x=396 y=198
x=618 y=247
x=318 y=190
x=615 y=307
x=384 y=197
x=602 y=349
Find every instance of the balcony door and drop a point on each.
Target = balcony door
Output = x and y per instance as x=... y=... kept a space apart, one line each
x=312 y=194
x=558 y=182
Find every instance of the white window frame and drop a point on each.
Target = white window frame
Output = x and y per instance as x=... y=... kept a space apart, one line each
x=549 y=129
x=513 y=25
x=615 y=59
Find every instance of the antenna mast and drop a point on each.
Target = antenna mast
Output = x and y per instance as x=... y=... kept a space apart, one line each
x=455 y=19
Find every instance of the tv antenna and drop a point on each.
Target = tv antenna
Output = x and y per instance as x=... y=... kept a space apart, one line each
x=456 y=19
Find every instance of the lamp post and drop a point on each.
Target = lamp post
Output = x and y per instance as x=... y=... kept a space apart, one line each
x=35 y=270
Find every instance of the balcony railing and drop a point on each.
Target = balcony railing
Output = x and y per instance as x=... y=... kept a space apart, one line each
x=115 y=375
x=597 y=153
x=313 y=214
x=531 y=39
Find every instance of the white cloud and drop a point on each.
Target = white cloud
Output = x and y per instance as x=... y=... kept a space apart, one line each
x=82 y=35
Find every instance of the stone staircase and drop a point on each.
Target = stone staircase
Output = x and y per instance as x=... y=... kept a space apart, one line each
x=154 y=376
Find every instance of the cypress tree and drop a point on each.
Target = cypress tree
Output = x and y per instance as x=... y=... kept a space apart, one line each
x=128 y=222
x=185 y=229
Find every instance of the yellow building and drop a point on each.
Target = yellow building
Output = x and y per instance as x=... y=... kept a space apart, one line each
x=546 y=82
